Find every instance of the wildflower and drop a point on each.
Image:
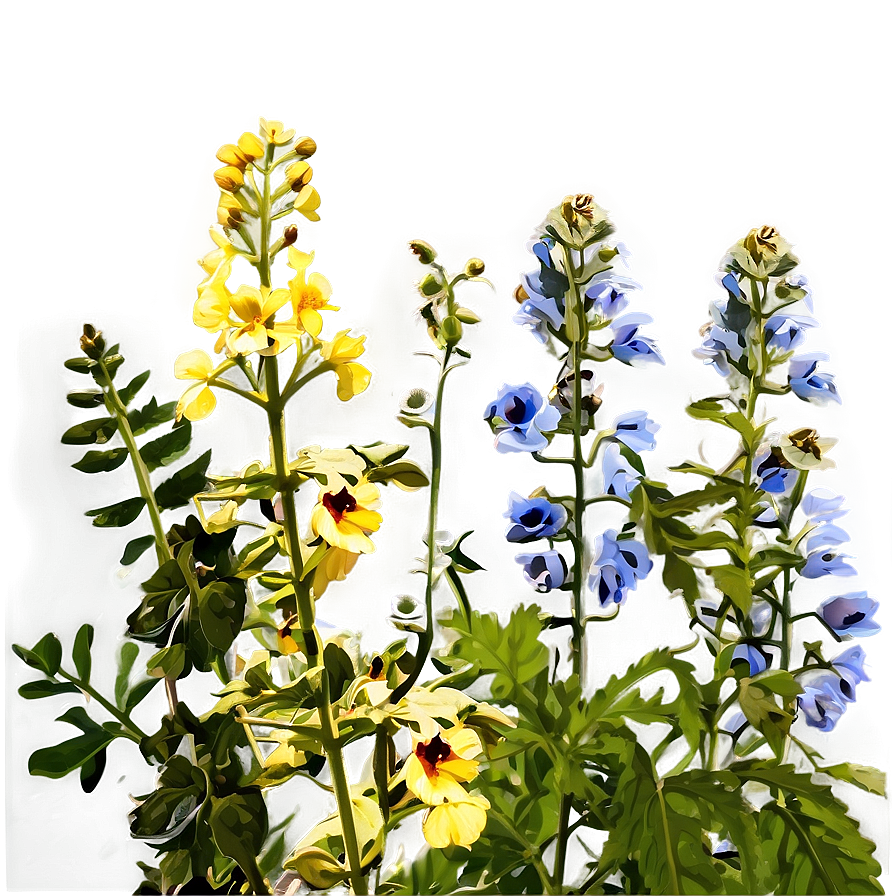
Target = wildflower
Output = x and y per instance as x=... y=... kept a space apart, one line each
x=629 y=347
x=851 y=614
x=767 y=518
x=822 y=701
x=274 y=132
x=340 y=353
x=229 y=178
x=822 y=560
x=255 y=307
x=198 y=401
x=850 y=666
x=533 y=518
x=823 y=506
x=309 y=296
x=456 y=823
x=417 y=402
x=344 y=518
x=799 y=283
x=436 y=767
x=606 y=294
x=562 y=394
x=335 y=566
x=544 y=571
x=307 y=202
x=785 y=332
x=720 y=347
x=757 y=659
x=805 y=450
x=620 y=477
x=808 y=384
x=617 y=566
x=544 y=293
x=519 y=416
x=636 y=431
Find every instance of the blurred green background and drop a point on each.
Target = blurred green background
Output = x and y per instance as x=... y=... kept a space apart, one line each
x=461 y=123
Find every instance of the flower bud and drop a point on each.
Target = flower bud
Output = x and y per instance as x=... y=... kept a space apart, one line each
x=230 y=212
x=430 y=285
x=305 y=148
x=290 y=235
x=607 y=253
x=520 y=294
x=232 y=155
x=250 y=146
x=229 y=178
x=452 y=330
x=298 y=175
x=475 y=267
x=466 y=316
x=423 y=251
x=92 y=342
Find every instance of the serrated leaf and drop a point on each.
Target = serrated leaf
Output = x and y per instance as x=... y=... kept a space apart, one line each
x=180 y=488
x=150 y=415
x=135 y=549
x=127 y=393
x=126 y=659
x=91 y=432
x=162 y=451
x=102 y=461
x=116 y=515
x=867 y=777
x=59 y=760
x=81 y=651
x=85 y=398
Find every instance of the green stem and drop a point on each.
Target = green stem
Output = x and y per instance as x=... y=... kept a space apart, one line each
x=381 y=770
x=562 y=835
x=122 y=717
x=670 y=852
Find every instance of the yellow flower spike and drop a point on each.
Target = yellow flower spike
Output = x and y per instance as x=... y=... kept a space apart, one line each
x=344 y=518
x=307 y=203
x=198 y=401
x=335 y=566
x=309 y=296
x=232 y=155
x=274 y=132
x=436 y=767
x=250 y=146
x=254 y=307
x=456 y=824
x=229 y=178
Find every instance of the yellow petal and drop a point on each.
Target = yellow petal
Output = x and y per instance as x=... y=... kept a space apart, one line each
x=274 y=132
x=322 y=284
x=464 y=742
x=196 y=403
x=299 y=260
x=343 y=347
x=433 y=790
x=246 y=302
x=311 y=320
x=335 y=566
x=307 y=202
x=457 y=823
x=194 y=365
x=251 y=338
x=250 y=146
x=364 y=519
x=352 y=379
x=273 y=301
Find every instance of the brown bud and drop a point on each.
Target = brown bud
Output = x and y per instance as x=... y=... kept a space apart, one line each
x=305 y=148
x=423 y=251
x=92 y=342
x=290 y=235
x=520 y=294
x=475 y=267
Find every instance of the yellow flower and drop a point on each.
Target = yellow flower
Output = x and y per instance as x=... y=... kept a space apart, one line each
x=335 y=566
x=344 y=518
x=213 y=260
x=456 y=824
x=250 y=146
x=307 y=202
x=274 y=132
x=352 y=379
x=286 y=644
x=229 y=178
x=309 y=296
x=254 y=307
x=298 y=174
x=436 y=767
x=198 y=401
x=230 y=212
x=805 y=450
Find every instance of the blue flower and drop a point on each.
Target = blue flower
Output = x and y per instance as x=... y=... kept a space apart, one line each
x=544 y=572
x=760 y=617
x=629 y=347
x=519 y=416
x=606 y=293
x=617 y=566
x=533 y=518
x=757 y=658
x=774 y=478
x=822 y=701
x=636 y=431
x=786 y=331
x=767 y=518
x=620 y=477
x=822 y=560
x=822 y=506
x=810 y=385
x=543 y=293
x=719 y=348
x=799 y=281
x=851 y=667
x=851 y=614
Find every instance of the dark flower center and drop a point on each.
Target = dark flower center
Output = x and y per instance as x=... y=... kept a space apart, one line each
x=532 y=518
x=853 y=618
x=339 y=503
x=806 y=441
x=517 y=413
x=432 y=753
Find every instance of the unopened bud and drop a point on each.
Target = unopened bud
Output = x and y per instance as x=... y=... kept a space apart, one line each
x=305 y=148
x=423 y=251
x=607 y=253
x=475 y=267
x=229 y=178
x=452 y=330
x=250 y=146
x=92 y=342
x=232 y=155
x=298 y=175
x=430 y=286
x=290 y=235
x=520 y=294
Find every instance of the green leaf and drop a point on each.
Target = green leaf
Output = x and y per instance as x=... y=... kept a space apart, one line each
x=757 y=700
x=79 y=365
x=162 y=451
x=150 y=415
x=340 y=669
x=459 y=559
x=865 y=776
x=92 y=770
x=679 y=574
x=58 y=761
x=239 y=824
x=37 y=690
x=139 y=692
x=222 y=607
x=81 y=651
x=169 y=662
x=165 y=592
x=186 y=482
x=378 y=454
x=126 y=659
x=735 y=583
x=91 y=432
x=85 y=398
x=121 y=514
x=172 y=807
x=102 y=461
x=127 y=393
x=46 y=655
x=405 y=474
x=135 y=548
